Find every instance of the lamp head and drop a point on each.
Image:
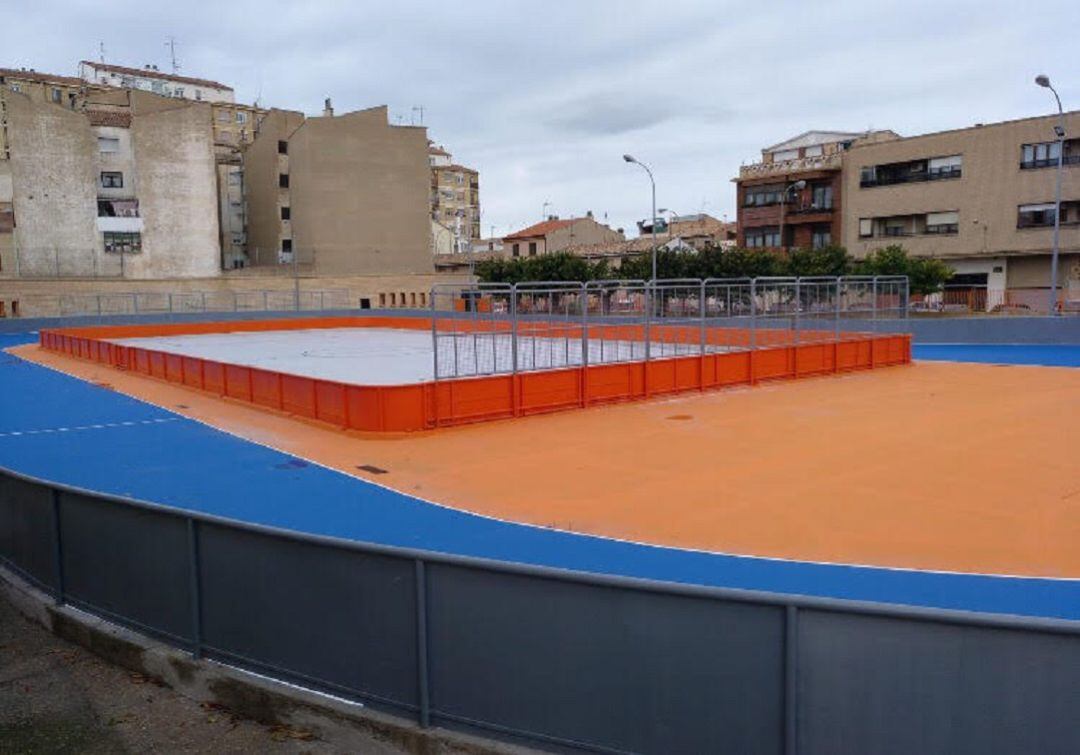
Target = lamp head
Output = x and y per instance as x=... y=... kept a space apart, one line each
x=629 y=158
x=1042 y=80
x=800 y=184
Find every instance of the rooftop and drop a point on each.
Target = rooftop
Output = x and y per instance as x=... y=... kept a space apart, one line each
x=153 y=73
x=32 y=75
x=543 y=228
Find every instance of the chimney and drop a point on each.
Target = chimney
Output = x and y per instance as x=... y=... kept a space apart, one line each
x=588 y=213
x=328 y=109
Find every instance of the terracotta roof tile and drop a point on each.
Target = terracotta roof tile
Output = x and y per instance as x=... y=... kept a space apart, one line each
x=542 y=229
x=48 y=78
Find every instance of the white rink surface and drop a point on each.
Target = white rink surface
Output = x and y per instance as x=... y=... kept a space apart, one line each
x=387 y=356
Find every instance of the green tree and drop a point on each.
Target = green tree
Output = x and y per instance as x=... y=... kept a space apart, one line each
x=925 y=274
x=829 y=260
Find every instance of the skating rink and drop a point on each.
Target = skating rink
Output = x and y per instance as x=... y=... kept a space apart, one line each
x=388 y=356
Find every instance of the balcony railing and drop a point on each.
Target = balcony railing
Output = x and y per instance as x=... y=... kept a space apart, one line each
x=811 y=209
x=1050 y=162
x=929 y=175
x=784 y=167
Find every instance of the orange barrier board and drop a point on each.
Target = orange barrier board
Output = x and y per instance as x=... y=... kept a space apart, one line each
x=444 y=403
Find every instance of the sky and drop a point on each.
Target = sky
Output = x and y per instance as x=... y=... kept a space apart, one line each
x=544 y=98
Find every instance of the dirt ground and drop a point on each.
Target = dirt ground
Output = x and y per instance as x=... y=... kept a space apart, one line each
x=56 y=697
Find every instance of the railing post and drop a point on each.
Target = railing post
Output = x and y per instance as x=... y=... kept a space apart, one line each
x=873 y=304
x=649 y=289
x=798 y=308
x=58 y=548
x=513 y=330
x=753 y=314
x=791 y=680
x=836 y=318
x=422 y=680
x=701 y=313
x=196 y=588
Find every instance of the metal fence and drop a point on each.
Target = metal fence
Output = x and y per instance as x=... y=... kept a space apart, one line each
x=498 y=328
x=164 y=302
x=549 y=657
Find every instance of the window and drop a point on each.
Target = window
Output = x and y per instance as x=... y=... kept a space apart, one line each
x=760 y=196
x=382 y=300
x=283 y=180
x=931 y=169
x=112 y=179
x=787 y=154
x=282 y=147
x=943 y=222
x=235 y=178
x=118 y=208
x=365 y=302
x=286 y=245
x=108 y=145
x=285 y=213
x=178 y=92
x=821 y=237
x=57 y=95
x=764 y=236
x=813 y=151
x=945 y=167
x=866 y=227
x=822 y=197
x=896 y=227
x=532 y=248
x=224 y=116
x=198 y=94
x=123 y=243
x=516 y=250
x=1035 y=215
x=1041 y=155
x=16 y=88
x=241 y=116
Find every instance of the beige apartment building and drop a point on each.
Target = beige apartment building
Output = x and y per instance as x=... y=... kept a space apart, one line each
x=346 y=194
x=455 y=197
x=980 y=198
x=558 y=234
x=104 y=182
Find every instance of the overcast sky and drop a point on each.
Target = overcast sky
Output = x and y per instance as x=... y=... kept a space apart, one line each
x=543 y=98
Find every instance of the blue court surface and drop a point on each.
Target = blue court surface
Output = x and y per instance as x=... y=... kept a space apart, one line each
x=1036 y=354
x=60 y=428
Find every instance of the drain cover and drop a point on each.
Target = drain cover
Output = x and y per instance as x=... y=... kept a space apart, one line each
x=371 y=468
x=681 y=416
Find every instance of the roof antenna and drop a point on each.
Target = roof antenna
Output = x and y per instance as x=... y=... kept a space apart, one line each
x=101 y=52
x=417 y=109
x=171 y=44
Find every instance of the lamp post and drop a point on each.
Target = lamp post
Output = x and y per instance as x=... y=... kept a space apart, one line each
x=799 y=186
x=652 y=220
x=1044 y=81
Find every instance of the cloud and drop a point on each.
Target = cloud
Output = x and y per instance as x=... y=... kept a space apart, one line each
x=543 y=98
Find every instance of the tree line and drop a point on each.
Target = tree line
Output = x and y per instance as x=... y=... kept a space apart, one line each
x=925 y=274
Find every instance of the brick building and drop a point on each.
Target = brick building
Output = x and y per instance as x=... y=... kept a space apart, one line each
x=775 y=212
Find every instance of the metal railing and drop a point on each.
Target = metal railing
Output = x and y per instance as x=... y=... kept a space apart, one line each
x=173 y=302
x=555 y=657
x=501 y=328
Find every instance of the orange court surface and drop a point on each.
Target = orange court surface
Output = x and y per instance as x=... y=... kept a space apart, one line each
x=956 y=467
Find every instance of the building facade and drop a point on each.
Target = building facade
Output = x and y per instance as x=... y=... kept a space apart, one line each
x=979 y=198
x=557 y=235
x=340 y=194
x=774 y=212
x=107 y=182
x=455 y=197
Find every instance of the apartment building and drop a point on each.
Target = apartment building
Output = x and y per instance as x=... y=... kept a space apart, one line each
x=556 y=235
x=793 y=196
x=107 y=182
x=980 y=198
x=234 y=126
x=455 y=197
x=346 y=194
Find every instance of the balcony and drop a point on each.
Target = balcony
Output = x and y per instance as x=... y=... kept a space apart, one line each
x=1050 y=162
x=786 y=167
x=915 y=176
x=810 y=209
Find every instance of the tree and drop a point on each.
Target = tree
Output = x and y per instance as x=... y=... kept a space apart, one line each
x=829 y=260
x=925 y=274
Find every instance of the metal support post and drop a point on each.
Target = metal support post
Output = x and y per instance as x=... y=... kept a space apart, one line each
x=423 y=683
x=196 y=589
x=58 y=548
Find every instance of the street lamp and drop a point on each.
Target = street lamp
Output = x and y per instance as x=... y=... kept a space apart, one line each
x=652 y=222
x=1044 y=81
x=798 y=186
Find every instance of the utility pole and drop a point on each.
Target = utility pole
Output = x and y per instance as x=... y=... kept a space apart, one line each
x=101 y=52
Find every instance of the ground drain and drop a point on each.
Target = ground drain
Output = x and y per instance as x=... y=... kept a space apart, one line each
x=371 y=468
x=681 y=416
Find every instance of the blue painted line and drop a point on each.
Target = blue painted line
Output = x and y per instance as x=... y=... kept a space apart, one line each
x=1063 y=355
x=191 y=466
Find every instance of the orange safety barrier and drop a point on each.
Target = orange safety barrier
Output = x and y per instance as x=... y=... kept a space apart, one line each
x=779 y=354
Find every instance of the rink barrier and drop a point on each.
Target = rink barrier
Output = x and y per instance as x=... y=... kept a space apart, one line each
x=448 y=402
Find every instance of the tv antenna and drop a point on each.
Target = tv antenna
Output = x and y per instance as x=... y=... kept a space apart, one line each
x=101 y=52
x=171 y=44
x=417 y=109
